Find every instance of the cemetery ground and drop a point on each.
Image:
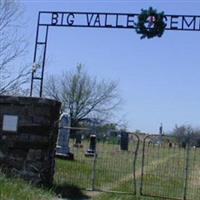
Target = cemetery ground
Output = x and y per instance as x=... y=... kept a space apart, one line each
x=163 y=175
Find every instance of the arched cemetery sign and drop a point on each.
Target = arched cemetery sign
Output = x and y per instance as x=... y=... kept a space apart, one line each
x=149 y=23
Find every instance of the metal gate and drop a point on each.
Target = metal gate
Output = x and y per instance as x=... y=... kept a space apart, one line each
x=115 y=165
x=169 y=170
x=111 y=168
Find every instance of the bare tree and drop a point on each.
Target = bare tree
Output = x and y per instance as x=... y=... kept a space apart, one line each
x=12 y=46
x=82 y=96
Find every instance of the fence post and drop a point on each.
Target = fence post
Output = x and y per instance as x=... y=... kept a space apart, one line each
x=186 y=172
x=134 y=162
x=142 y=169
x=94 y=171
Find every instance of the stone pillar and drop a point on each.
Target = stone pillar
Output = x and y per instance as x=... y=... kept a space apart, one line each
x=28 y=133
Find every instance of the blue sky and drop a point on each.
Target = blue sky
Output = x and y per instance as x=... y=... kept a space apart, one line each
x=158 y=78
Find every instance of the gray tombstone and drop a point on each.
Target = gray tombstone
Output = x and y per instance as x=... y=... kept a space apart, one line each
x=93 y=142
x=92 y=149
x=62 y=148
x=78 y=137
x=124 y=141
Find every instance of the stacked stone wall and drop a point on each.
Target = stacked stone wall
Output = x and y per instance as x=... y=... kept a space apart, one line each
x=28 y=134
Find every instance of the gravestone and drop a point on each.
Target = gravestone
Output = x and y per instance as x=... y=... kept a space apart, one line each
x=62 y=148
x=170 y=144
x=198 y=143
x=184 y=144
x=78 y=137
x=124 y=141
x=92 y=148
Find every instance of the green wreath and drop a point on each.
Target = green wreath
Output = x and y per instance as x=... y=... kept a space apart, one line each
x=157 y=22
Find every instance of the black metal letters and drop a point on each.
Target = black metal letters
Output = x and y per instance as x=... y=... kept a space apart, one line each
x=117 y=20
x=174 y=22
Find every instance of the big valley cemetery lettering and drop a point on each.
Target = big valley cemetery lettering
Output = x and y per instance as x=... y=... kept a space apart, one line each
x=119 y=20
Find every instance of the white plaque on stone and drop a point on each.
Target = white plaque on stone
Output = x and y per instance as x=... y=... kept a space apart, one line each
x=10 y=123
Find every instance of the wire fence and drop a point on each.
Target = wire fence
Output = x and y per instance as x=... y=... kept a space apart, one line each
x=169 y=170
x=128 y=163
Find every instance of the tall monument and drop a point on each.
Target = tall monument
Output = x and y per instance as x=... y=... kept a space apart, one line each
x=62 y=148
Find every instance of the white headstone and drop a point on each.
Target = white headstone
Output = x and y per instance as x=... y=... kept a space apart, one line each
x=63 y=135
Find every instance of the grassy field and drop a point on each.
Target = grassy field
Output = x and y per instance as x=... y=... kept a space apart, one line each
x=16 y=189
x=111 y=165
x=163 y=175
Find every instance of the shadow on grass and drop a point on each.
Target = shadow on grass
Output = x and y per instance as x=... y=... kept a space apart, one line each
x=69 y=191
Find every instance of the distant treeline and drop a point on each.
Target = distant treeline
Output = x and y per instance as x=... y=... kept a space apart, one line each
x=187 y=135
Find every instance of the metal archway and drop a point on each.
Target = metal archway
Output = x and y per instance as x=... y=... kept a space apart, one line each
x=49 y=19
